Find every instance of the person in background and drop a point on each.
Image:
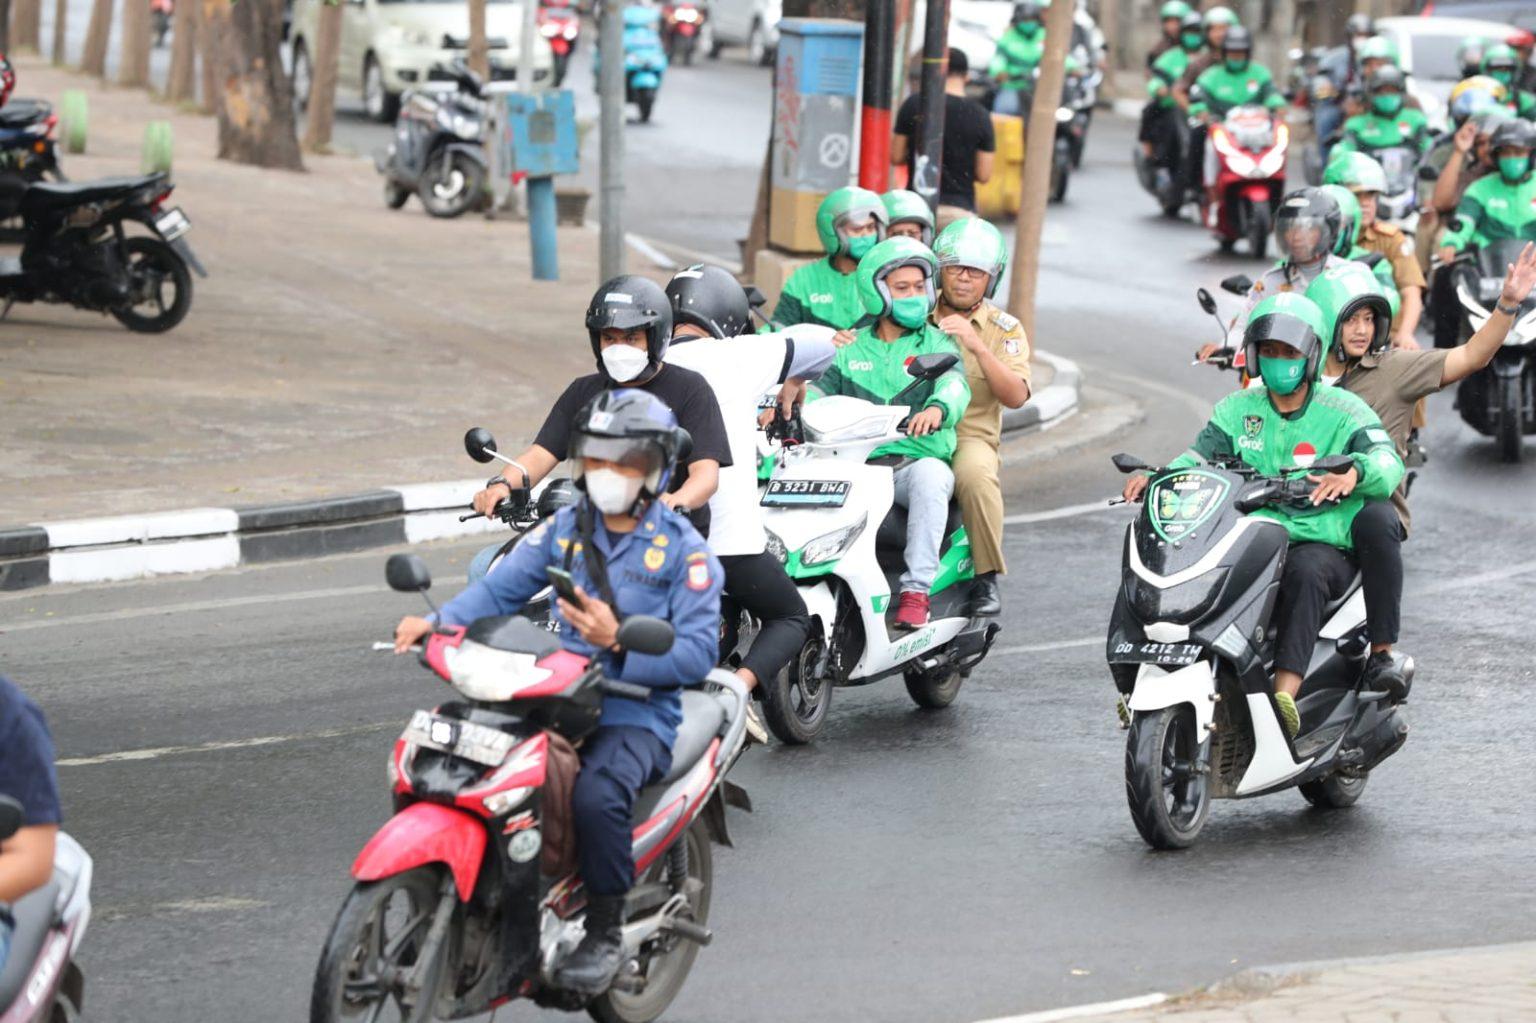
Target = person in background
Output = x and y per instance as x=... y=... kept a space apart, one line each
x=1365 y=178
x=1172 y=14
x=1157 y=128
x=908 y=216
x=968 y=145
x=850 y=221
x=1503 y=65
x=27 y=776
x=1019 y=51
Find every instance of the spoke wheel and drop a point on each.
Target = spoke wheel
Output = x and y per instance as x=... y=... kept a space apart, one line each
x=796 y=700
x=160 y=287
x=1168 y=796
x=371 y=955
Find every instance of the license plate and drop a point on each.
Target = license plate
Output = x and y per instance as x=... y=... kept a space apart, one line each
x=172 y=224
x=806 y=493
x=1159 y=653
x=485 y=746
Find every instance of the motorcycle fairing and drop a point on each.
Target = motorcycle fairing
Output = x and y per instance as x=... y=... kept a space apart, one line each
x=425 y=833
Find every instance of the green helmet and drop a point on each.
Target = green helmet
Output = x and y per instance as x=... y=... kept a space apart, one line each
x=1356 y=172
x=976 y=243
x=1378 y=48
x=901 y=204
x=877 y=264
x=1349 y=219
x=1343 y=291
x=841 y=206
x=1220 y=16
x=1291 y=319
x=1173 y=9
x=1500 y=55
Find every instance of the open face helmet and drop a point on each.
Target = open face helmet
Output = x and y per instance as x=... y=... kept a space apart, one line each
x=846 y=208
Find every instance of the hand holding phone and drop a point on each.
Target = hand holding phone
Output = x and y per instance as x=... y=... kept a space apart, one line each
x=564 y=585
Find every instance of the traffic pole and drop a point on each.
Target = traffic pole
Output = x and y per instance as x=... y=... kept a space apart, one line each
x=930 y=154
x=610 y=197
x=875 y=115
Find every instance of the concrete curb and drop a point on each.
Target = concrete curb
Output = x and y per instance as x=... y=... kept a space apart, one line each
x=1052 y=405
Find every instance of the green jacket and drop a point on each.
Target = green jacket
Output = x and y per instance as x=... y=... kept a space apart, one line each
x=876 y=371
x=1017 y=58
x=1332 y=422
x=1491 y=210
x=1523 y=104
x=1218 y=90
x=1167 y=69
x=1382 y=268
x=819 y=293
x=1366 y=133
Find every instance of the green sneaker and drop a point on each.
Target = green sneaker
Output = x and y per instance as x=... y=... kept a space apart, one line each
x=1290 y=717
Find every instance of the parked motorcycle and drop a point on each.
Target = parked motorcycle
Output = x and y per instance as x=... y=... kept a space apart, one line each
x=832 y=520
x=28 y=153
x=161 y=11
x=438 y=151
x=41 y=981
x=451 y=914
x=681 y=24
x=1250 y=145
x=77 y=252
x=1498 y=401
x=560 y=24
x=1191 y=644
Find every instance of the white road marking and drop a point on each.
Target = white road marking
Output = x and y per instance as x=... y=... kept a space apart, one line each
x=198 y=605
x=1082 y=1011
x=1037 y=648
x=156 y=753
x=1071 y=511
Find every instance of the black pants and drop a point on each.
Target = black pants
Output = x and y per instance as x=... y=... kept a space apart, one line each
x=758 y=584
x=617 y=761
x=1378 y=535
x=1445 y=307
x=1315 y=573
x=1194 y=158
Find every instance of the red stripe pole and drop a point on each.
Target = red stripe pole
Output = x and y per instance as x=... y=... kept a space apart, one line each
x=875 y=116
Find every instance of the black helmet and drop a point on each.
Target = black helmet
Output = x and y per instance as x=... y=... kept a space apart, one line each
x=1238 y=40
x=1516 y=132
x=556 y=495
x=630 y=302
x=634 y=428
x=1388 y=76
x=1308 y=208
x=1359 y=25
x=1028 y=10
x=709 y=297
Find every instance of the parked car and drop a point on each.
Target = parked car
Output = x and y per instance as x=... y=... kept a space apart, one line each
x=750 y=23
x=1519 y=13
x=388 y=46
x=976 y=25
x=1428 y=47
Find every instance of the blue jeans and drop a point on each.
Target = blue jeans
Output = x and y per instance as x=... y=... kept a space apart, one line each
x=923 y=488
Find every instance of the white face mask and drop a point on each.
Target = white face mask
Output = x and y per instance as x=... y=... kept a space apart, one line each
x=624 y=363
x=612 y=492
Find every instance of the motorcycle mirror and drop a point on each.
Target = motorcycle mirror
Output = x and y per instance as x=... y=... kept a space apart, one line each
x=645 y=635
x=10 y=817
x=1428 y=174
x=1238 y=284
x=1206 y=301
x=684 y=445
x=1123 y=462
x=407 y=573
x=755 y=297
x=932 y=366
x=480 y=445
x=1338 y=464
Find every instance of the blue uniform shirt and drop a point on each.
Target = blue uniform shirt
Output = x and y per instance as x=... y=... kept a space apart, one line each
x=663 y=569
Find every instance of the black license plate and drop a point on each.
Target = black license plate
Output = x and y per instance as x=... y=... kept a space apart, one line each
x=806 y=493
x=1180 y=654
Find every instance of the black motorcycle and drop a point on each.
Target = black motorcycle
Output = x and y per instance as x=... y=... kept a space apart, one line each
x=438 y=150
x=1498 y=401
x=27 y=151
x=77 y=252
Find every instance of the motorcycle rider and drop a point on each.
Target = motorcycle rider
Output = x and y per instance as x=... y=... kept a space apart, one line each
x=1018 y=55
x=27 y=775
x=629 y=323
x=1502 y=64
x=1218 y=21
x=1363 y=176
x=1348 y=249
x=630 y=554
x=1173 y=15
x=1307 y=229
x=1387 y=121
x=1236 y=81
x=972 y=257
x=1469 y=55
x=1501 y=205
x=1170 y=65
x=1292 y=420
x=850 y=221
x=907 y=216
x=896 y=284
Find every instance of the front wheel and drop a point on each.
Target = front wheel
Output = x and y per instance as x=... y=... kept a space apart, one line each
x=1164 y=783
x=1511 y=412
x=1334 y=792
x=1061 y=170
x=934 y=689
x=687 y=44
x=395 y=196
x=796 y=700
x=453 y=186
x=1258 y=229
x=370 y=958
x=646 y=98
x=154 y=269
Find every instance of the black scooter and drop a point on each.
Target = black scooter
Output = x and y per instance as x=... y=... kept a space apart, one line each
x=438 y=151
x=1191 y=649
x=1498 y=401
x=77 y=252
x=27 y=151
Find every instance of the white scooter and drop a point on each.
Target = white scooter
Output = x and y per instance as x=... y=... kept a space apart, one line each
x=832 y=520
x=41 y=981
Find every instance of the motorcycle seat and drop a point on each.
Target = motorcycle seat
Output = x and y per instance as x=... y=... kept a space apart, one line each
x=19 y=113
x=34 y=913
x=702 y=717
x=1332 y=607
x=50 y=194
x=891 y=537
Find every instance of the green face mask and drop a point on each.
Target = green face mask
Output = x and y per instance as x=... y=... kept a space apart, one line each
x=1513 y=168
x=860 y=244
x=1504 y=78
x=1387 y=104
x=1282 y=376
x=1029 y=29
x=1237 y=67
x=1192 y=40
x=911 y=312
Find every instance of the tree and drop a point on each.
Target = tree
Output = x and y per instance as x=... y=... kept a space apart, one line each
x=5 y=25
x=252 y=94
x=133 y=58
x=479 y=46
x=322 y=80
x=27 y=25
x=60 y=19
x=93 y=58
x=180 y=84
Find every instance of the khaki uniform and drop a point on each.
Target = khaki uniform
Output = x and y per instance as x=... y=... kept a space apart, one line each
x=976 y=460
x=1393 y=383
x=1406 y=273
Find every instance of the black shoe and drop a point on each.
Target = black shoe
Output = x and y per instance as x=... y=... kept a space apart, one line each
x=591 y=967
x=986 y=598
x=1384 y=674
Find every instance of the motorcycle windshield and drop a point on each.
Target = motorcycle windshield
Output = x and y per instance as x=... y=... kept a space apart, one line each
x=1183 y=513
x=1251 y=128
x=1400 y=164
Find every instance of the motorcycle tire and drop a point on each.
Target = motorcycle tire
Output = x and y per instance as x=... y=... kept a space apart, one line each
x=1061 y=170
x=646 y=100
x=1259 y=220
x=933 y=690
x=151 y=255
x=665 y=968
x=1159 y=744
x=71 y=996
x=1510 y=419
x=687 y=51
x=1334 y=792
x=795 y=702
x=395 y=196
x=454 y=186
x=364 y=914
x=562 y=65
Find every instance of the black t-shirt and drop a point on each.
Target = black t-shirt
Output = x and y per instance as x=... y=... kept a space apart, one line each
x=685 y=392
x=967 y=131
x=26 y=757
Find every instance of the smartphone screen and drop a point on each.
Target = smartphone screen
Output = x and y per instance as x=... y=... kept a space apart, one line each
x=564 y=585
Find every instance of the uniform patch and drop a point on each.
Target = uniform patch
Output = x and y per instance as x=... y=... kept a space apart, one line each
x=697 y=556
x=655 y=557
x=1407 y=249
x=660 y=540
x=1004 y=320
x=1378 y=436
x=1253 y=425
x=1011 y=346
x=1304 y=454
x=698 y=575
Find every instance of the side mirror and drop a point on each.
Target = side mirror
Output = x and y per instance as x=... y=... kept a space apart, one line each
x=755 y=297
x=1338 y=464
x=407 y=573
x=1206 y=301
x=10 y=817
x=933 y=365
x=1123 y=462
x=480 y=445
x=644 y=634
x=684 y=445
x=1238 y=284
x=1428 y=174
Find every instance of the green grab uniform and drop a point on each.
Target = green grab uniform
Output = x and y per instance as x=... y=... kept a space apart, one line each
x=1218 y=90
x=1017 y=57
x=876 y=371
x=1167 y=69
x=1368 y=133
x=819 y=293
x=1492 y=210
x=1333 y=421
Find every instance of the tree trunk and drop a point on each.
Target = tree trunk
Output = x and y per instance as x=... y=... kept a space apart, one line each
x=181 y=83
x=60 y=20
x=93 y=58
x=27 y=25
x=208 y=102
x=133 y=53
x=322 y=80
x=479 y=48
x=252 y=94
x=5 y=25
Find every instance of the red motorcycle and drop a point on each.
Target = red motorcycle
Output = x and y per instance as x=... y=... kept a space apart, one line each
x=680 y=26
x=451 y=915
x=1250 y=147
x=560 y=24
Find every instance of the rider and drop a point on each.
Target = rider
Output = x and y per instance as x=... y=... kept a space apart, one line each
x=1469 y=55
x=907 y=216
x=1387 y=122
x=1501 y=205
x=1349 y=227
x=1363 y=176
x=26 y=775
x=1173 y=15
x=1019 y=51
x=630 y=554
x=1236 y=81
x=972 y=257
x=896 y=284
x=629 y=323
x=1307 y=229
x=1291 y=421
x=1218 y=21
x=1167 y=69
x=849 y=222
x=1502 y=64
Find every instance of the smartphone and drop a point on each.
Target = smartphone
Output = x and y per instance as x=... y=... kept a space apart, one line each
x=564 y=585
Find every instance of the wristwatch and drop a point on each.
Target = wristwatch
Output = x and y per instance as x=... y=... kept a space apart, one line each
x=499 y=478
x=1499 y=306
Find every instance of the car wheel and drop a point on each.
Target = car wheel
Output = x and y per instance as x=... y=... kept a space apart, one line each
x=381 y=104
x=757 y=46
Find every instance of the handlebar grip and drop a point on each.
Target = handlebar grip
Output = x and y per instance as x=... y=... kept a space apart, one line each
x=626 y=690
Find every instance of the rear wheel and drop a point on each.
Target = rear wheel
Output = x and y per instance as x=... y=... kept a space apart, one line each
x=1334 y=792
x=796 y=700
x=159 y=287
x=1258 y=229
x=1510 y=414
x=453 y=186
x=646 y=98
x=395 y=195
x=1061 y=170
x=934 y=689
x=1168 y=796
x=372 y=951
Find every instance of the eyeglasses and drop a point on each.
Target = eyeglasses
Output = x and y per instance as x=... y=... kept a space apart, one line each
x=966 y=273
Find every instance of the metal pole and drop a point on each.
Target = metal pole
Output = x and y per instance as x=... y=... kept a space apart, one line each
x=610 y=199
x=875 y=116
x=525 y=56
x=541 y=229
x=930 y=154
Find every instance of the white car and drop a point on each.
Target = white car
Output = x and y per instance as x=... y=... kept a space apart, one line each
x=976 y=25
x=750 y=23
x=389 y=46
x=1428 y=50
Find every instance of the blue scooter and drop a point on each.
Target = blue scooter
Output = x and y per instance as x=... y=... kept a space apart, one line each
x=645 y=59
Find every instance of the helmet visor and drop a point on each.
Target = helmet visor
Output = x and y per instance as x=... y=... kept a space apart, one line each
x=1304 y=238
x=1288 y=330
x=641 y=454
x=613 y=315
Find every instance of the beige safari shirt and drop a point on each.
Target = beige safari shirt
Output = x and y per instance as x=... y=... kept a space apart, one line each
x=1004 y=336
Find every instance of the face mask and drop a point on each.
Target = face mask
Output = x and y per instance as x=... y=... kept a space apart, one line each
x=1387 y=105
x=1282 y=376
x=1237 y=67
x=860 y=244
x=612 y=492
x=1513 y=168
x=624 y=363
x=1504 y=78
x=910 y=312
x=1192 y=41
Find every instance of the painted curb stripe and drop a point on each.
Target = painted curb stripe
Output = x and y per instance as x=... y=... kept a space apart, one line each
x=26 y=540
x=371 y=504
x=140 y=528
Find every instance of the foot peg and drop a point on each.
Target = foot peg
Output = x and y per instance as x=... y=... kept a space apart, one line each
x=690 y=931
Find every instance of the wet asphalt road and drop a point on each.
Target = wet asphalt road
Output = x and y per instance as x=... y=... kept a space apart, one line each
x=910 y=866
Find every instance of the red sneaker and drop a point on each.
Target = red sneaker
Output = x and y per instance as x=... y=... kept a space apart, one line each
x=912 y=610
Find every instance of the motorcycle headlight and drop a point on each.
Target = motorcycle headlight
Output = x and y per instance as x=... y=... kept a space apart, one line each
x=465 y=127
x=775 y=547
x=1063 y=114
x=831 y=546
x=1181 y=605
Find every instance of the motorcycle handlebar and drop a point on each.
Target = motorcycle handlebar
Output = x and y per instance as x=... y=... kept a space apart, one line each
x=626 y=690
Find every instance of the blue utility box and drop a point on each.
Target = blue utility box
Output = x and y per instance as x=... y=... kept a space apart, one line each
x=541 y=133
